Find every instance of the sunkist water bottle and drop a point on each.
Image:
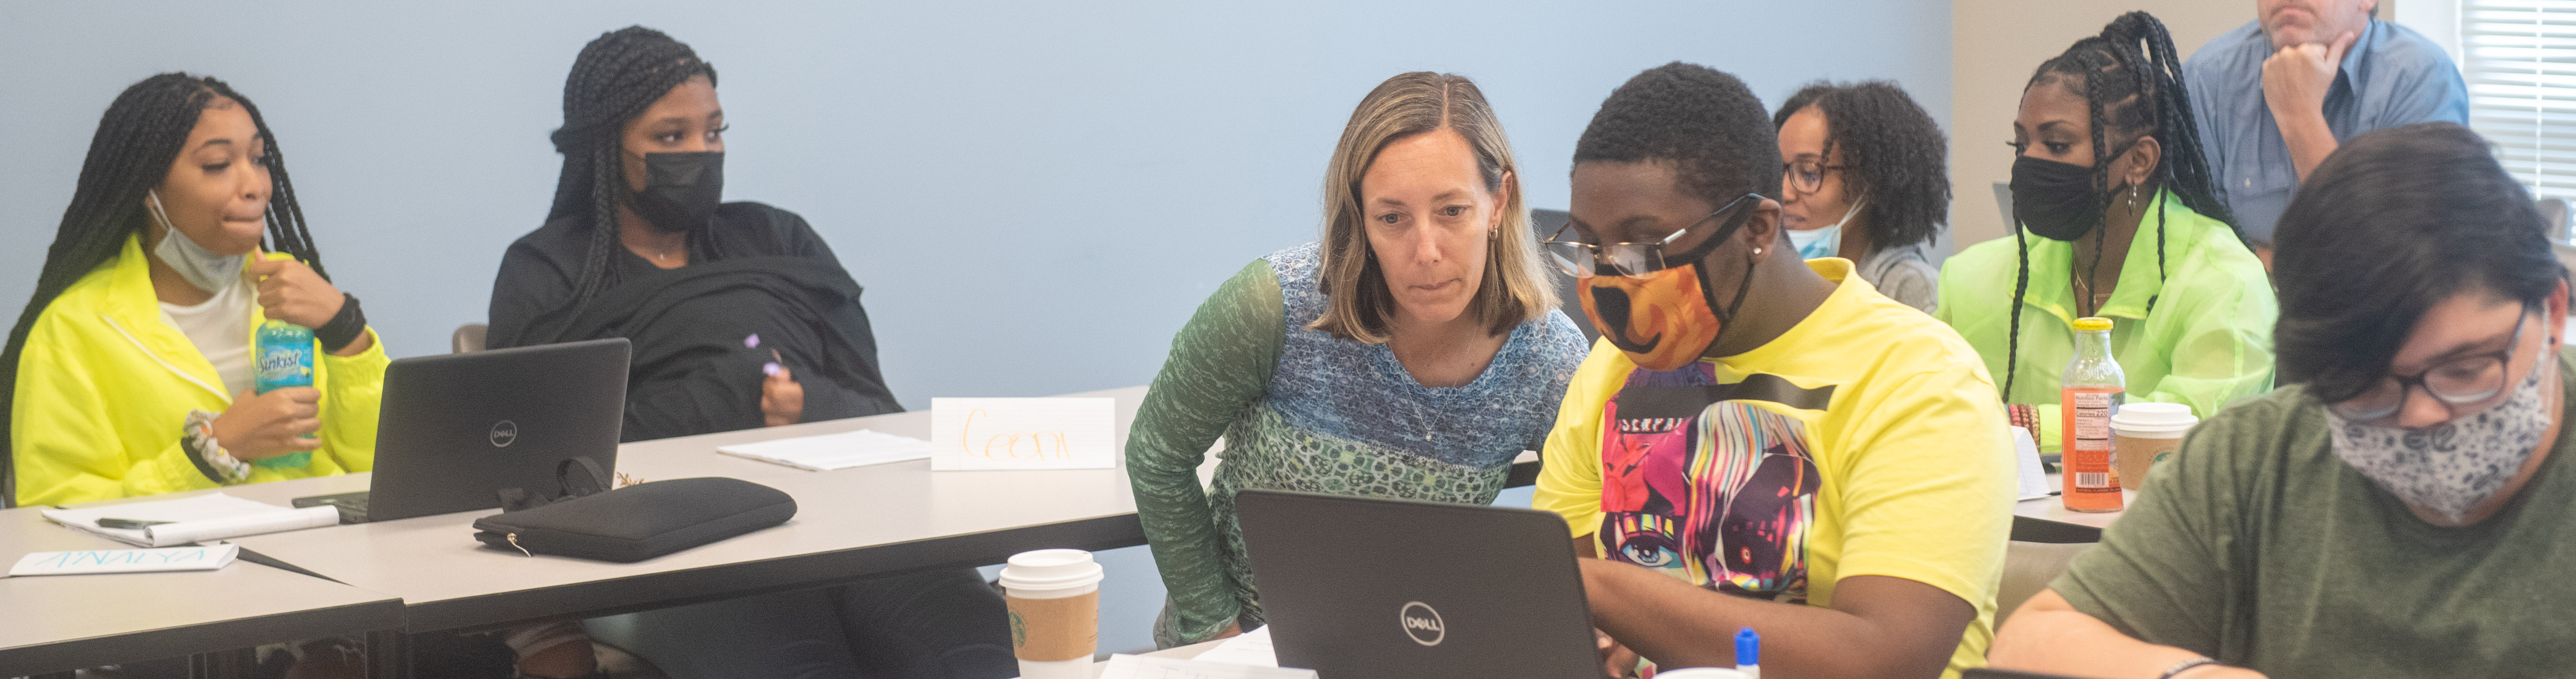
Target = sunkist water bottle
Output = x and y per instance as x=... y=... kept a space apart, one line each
x=2087 y=397
x=282 y=356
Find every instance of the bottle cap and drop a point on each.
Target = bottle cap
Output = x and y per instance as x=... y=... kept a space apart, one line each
x=1748 y=647
x=2092 y=323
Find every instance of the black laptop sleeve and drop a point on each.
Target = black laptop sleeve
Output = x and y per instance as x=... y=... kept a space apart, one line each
x=641 y=521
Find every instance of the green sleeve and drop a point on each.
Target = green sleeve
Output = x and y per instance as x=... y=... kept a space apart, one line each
x=2222 y=346
x=1221 y=363
x=2166 y=573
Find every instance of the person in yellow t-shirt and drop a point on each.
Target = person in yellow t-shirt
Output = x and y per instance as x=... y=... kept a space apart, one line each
x=1758 y=441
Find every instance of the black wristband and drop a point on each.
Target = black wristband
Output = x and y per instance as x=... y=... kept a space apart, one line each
x=344 y=327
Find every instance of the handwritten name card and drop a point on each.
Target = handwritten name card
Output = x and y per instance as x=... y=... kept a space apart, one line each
x=205 y=558
x=1022 y=433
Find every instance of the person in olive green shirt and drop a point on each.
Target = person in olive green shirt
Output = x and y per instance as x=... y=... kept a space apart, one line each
x=2123 y=224
x=2396 y=511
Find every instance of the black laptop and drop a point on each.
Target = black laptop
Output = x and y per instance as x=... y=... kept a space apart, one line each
x=455 y=429
x=1356 y=588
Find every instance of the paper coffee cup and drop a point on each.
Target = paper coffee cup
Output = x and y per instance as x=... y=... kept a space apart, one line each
x=1054 y=599
x=2143 y=433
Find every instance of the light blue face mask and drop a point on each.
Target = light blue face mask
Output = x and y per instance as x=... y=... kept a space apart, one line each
x=1826 y=241
x=202 y=267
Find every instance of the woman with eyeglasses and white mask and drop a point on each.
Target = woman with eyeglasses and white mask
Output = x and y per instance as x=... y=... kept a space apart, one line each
x=1412 y=354
x=1865 y=177
x=2395 y=509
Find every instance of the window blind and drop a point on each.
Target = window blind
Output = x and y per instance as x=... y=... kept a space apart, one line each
x=2521 y=71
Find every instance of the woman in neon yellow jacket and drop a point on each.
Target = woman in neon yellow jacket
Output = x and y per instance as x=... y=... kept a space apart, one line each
x=2111 y=178
x=131 y=368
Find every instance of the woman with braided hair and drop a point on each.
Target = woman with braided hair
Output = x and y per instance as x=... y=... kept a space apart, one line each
x=740 y=315
x=2112 y=180
x=130 y=368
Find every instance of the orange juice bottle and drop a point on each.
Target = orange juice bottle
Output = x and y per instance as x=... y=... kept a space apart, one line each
x=2087 y=397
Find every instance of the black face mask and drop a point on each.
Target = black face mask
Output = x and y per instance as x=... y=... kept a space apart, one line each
x=680 y=190
x=2056 y=200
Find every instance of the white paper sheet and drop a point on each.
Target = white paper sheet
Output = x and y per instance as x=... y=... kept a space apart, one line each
x=1249 y=648
x=1023 y=433
x=212 y=516
x=2034 y=477
x=1123 y=666
x=827 y=452
x=206 y=558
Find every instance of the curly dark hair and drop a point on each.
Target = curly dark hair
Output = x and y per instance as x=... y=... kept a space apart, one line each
x=1705 y=122
x=1892 y=152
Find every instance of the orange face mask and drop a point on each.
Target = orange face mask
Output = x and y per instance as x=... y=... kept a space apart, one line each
x=1663 y=322
x=1667 y=319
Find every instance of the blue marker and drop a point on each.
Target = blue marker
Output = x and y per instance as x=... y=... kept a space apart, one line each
x=1748 y=653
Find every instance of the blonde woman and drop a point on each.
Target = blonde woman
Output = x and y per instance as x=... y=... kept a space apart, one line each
x=1411 y=354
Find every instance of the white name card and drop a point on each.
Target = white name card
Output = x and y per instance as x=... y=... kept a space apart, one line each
x=1023 y=433
x=205 y=558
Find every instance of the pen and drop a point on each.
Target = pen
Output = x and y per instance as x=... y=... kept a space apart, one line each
x=127 y=524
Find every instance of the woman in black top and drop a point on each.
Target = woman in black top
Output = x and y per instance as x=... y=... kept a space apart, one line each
x=741 y=317
x=740 y=314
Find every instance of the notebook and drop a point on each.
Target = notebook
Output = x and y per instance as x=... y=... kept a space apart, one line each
x=213 y=516
x=827 y=452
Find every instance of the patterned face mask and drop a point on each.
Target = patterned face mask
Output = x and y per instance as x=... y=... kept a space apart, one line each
x=1663 y=322
x=2452 y=466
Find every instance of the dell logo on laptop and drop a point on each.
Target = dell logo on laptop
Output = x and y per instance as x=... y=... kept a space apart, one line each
x=503 y=433
x=1422 y=623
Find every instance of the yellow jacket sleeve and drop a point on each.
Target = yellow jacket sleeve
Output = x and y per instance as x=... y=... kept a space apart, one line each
x=353 y=390
x=66 y=444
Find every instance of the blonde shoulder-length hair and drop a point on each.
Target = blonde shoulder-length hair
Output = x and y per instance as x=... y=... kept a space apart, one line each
x=1359 y=305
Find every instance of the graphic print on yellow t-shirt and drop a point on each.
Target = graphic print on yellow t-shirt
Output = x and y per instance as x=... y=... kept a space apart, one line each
x=1866 y=440
x=1702 y=485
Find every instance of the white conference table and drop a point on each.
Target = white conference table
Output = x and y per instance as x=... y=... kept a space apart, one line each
x=63 y=622
x=849 y=524
x=2084 y=525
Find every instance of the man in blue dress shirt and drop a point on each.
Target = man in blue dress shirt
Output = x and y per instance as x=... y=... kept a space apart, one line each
x=2276 y=95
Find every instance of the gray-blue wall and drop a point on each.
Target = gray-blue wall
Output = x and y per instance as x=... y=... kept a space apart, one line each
x=1035 y=194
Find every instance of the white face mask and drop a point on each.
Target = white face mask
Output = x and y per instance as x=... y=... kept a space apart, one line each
x=1824 y=241
x=202 y=267
x=2453 y=466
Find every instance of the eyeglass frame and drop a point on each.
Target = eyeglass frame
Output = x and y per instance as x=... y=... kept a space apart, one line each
x=1788 y=171
x=1653 y=249
x=2406 y=386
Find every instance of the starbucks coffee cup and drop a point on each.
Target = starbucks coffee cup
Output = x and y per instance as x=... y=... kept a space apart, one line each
x=1054 y=598
x=2143 y=433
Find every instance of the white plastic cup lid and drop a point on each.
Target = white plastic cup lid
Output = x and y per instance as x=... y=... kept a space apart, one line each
x=1702 y=673
x=1050 y=569
x=2148 y=416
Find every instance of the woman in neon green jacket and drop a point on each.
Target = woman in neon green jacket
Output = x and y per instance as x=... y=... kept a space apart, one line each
x=131 y=367
x=2112 y=179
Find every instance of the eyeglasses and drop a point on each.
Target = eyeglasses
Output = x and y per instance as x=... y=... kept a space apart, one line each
x=1807 y=174
x=1636 y=260
x=2457 y=382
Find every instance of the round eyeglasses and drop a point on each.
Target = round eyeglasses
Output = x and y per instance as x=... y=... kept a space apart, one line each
x=2457 y=382
x=1807 y=175
x=1637 y=260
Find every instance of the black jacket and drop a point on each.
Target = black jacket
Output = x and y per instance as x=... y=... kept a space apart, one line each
x=759 y=271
